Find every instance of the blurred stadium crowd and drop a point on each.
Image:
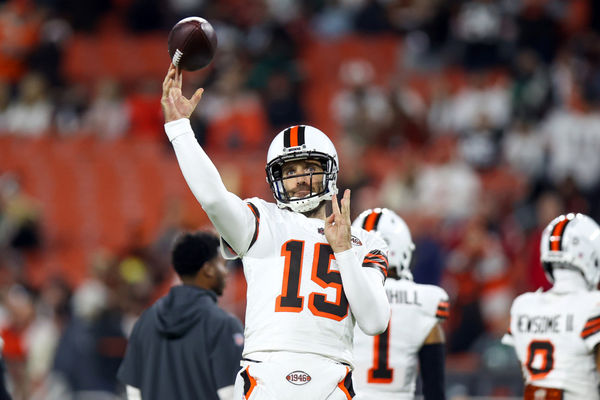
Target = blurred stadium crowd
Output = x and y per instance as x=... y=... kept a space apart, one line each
x=478 y=121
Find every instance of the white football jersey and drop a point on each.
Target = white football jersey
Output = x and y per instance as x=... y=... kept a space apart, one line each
x=554 y=335
x=295 y=299
x=386 y=364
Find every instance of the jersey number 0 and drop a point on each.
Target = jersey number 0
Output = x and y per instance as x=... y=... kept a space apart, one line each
x=290 y=301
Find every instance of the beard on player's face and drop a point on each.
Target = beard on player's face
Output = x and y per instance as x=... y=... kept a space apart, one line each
x=303 y=189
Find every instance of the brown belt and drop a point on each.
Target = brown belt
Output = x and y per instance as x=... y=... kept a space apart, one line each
x=541 y=393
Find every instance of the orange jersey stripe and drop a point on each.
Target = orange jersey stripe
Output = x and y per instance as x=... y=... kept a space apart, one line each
x=377 y=258
x=590 y=330
x=592 y=321
x=252 y=384
x=343 y=387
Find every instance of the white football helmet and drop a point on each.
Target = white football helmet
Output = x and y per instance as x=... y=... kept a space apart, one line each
x=302 y=142
x=394 y=231
x=572 y=241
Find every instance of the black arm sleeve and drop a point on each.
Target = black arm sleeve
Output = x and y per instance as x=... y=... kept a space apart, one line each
x=431 y=360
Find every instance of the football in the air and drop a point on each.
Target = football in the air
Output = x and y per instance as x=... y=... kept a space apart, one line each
x=192 y=43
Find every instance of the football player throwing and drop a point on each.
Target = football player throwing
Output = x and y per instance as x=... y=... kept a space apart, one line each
x=310 y=276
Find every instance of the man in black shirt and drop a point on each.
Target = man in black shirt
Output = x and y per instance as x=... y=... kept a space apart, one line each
x=185 y=346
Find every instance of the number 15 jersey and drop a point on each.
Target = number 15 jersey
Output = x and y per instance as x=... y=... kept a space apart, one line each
x=554 y=335
x=295 y=298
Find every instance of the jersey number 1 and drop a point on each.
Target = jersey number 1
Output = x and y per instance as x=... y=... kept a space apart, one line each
x=290 y=301
x=381 y=372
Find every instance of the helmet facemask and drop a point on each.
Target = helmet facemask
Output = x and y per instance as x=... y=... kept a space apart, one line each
x=325 y=188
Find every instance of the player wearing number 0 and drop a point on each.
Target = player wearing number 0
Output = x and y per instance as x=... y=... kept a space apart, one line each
x=386 y=365
x=310 y=276
x=556 y=333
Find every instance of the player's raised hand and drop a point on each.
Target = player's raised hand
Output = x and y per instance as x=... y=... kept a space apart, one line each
x=337 y=225
x=174 y=104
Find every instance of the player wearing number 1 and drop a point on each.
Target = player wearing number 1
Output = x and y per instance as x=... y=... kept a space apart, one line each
x=386 y=365
x=310 y=276
x=556 y=334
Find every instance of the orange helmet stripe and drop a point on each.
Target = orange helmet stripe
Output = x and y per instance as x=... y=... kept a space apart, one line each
x=557 y=234
x=371 y=221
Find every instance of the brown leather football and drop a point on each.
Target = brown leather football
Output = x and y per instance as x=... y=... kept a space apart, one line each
x=192 y=43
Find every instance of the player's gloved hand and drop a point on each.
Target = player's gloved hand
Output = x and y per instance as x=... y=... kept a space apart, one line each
x=337 y=225
x=174 y=104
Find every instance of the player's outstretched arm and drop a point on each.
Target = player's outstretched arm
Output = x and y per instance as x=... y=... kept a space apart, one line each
x=362 y=286
x=229 y=214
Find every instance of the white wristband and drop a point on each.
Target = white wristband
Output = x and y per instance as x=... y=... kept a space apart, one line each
x=177 y=128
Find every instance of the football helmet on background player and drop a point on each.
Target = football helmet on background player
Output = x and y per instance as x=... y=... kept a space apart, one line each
x=302 y=142
x=394 y=231
x=572 y=241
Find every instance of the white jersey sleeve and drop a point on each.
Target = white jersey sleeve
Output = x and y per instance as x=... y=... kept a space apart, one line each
x=232 y=218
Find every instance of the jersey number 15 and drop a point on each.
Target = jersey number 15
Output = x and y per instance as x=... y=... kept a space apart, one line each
x=290 y=301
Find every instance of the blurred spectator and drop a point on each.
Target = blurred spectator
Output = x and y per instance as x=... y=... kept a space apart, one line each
x=479 y=27
x=282 y=102
x=476 y=277
x=90 y=348
x=573 y=154
x=532 y=88
x=143 y=104
x=71 y=106
x=108 y=114
x=524 y=149
x=20 y=215
x=479 y=145
x=30 y=339
x=547 y=206
x=361 y=108
x=5 y=97
x=409 y=111
x=46 y=58
x=30 y=114
x=235 y=116
x=19 y=34
x=447 y=176
x=398 y=190
x=480 y=98
x=538 y=28
x=15 y=333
